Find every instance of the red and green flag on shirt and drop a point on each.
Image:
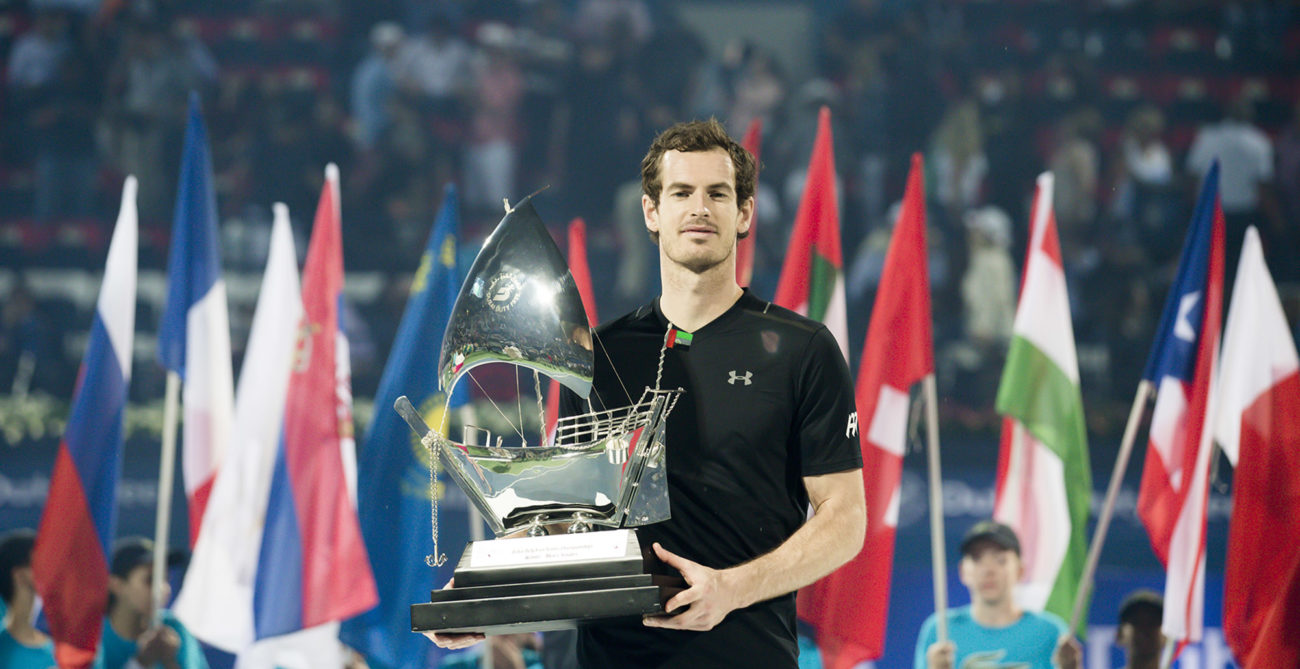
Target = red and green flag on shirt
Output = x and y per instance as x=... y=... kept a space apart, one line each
x=1044 y=481
x=812 y=278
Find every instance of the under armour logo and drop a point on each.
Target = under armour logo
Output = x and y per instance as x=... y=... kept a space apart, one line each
x=736 y=377
x=852 y=429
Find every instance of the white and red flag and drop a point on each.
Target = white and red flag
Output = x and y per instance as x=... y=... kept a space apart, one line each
x=1044 y=482
x=849 y=607
x=1258 y=427
x=1183 y=368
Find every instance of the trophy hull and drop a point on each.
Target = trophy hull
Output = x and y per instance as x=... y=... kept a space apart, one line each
x=511 y=594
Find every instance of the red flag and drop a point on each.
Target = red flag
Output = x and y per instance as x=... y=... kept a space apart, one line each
x=745 y=247
x=313 y=567
x=582 y=277
x=1174 y=496
x=1278 y=645
x=849 y=607
x=812 y=278
x=1258 y=426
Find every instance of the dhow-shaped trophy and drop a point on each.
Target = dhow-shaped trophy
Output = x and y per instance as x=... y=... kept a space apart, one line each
x=563 y=512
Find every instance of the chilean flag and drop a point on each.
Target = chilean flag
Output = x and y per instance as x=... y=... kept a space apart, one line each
x=313 y=567
x=194 y=337
x=1183 y=367
x=70 y=560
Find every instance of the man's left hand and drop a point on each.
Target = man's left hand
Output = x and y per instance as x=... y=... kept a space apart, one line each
x=708 y=599
x=1069 y=654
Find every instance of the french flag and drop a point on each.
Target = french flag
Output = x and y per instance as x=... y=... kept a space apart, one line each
x=313 y=567
x=1183 y=367
x=194 y=336
x=70 y=560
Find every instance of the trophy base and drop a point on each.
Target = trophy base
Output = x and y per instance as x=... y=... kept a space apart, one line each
x=529 y=596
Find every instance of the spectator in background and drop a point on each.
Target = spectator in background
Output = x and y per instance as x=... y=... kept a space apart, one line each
x=35 y=57
x=373 y=85
x=496 y=91
x=22 y=646
x=129 y=639
x=62 y=119
x=1144 y=199
x=959 y=163
x=1076 y=165
x=1140 y=617
x=1288 y=180
x=145 y=101
x=1245 y=157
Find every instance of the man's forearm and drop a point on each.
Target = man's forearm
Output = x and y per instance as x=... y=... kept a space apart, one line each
x=830 y=538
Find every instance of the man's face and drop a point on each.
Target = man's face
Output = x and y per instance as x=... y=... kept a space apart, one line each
x=697 y=217
x=990 y=572
x=133 y=591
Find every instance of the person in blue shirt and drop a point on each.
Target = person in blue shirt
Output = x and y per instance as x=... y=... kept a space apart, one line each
x=22 y=646
x=993 y=632
x=130 y=640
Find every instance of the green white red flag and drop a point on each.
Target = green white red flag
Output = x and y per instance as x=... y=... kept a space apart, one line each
x=1044 y=481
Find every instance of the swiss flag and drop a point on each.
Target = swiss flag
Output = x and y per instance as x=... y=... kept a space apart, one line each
x=1258 y=426
x=849 y=607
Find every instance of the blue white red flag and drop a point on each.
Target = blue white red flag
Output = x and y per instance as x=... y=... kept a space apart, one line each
x=393 y=475
x=194 y=336
x=312 y=567
x=1183 y=368
x=70 y=560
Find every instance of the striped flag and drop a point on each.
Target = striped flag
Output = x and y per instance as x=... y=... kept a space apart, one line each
x=812 y=278
x=216 y=598
x=70 y=559
x=1183 y=367
x=194 y=336
x=312 y=568
x=1258 y=426
x=1044 y=482
x=745 y=247
x=849 y=608
x=394 y=468
x=582 y=278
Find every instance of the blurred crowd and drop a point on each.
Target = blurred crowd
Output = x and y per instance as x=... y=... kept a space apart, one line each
x=1126 y=101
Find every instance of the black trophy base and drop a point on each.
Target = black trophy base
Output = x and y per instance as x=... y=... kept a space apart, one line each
x=561 y=596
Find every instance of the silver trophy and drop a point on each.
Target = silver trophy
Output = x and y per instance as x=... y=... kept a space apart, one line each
x=604 y=470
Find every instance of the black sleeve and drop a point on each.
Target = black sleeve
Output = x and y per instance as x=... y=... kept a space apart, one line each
x=826 y=420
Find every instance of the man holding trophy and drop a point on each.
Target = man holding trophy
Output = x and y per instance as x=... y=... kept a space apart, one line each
x=766 y=427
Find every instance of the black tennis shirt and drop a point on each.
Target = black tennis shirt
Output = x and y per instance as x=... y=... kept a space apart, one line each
x=768 y=400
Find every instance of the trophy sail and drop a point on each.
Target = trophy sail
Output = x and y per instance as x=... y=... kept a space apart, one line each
x=519 y=305
x=605 y=469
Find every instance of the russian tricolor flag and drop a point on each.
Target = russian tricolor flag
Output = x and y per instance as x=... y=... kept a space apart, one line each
x=194 y=337
x=70 y=560
x=313 y=567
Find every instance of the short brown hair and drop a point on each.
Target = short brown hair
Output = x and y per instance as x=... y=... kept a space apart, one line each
x=698 y=136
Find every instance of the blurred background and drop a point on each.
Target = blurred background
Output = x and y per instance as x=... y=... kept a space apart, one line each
x=507 y=97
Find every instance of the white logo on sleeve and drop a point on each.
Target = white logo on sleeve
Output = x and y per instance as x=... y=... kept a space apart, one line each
x=747 y=378
x=851 y=430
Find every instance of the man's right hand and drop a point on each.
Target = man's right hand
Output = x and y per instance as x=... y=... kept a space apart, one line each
x=453 y=641
x=941 y=655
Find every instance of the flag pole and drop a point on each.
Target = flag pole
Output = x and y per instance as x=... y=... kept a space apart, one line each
x=1108 y=507
x=166 y=474
x=937 y=550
